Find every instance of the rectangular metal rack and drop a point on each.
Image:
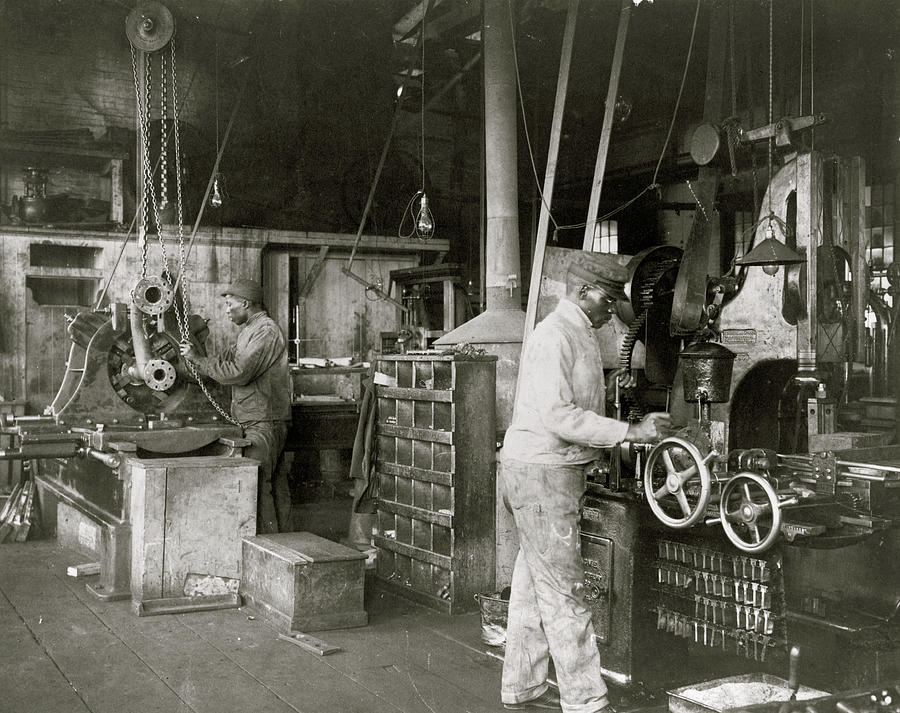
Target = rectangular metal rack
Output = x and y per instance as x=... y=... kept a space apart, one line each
x=436 y=471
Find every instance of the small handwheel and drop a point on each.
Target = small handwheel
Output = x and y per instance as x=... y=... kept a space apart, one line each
x=751 y=514
x=675 y=468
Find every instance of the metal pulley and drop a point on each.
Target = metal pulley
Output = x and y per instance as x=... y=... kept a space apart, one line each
x=149 y=26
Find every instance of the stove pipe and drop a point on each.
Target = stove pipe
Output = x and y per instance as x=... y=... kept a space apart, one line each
x=500 y=328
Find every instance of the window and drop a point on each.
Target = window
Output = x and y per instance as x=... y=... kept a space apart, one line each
x=880 y=224
x=606 y=237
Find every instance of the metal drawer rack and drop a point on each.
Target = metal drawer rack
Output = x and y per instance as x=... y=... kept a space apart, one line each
x=436 y=470
x=720 y=600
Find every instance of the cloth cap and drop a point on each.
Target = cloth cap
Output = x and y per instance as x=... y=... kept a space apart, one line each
x=246 y=289
x=609 y=277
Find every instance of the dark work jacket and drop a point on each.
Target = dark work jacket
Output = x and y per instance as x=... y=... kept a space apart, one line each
x=256 y=369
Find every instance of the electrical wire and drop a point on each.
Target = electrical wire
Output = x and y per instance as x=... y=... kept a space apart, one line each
x=687 y=63
x=537 y=182
x=653 y=184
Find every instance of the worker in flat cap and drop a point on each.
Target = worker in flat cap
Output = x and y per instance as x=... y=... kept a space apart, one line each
x=256 y=369
x=558 y=425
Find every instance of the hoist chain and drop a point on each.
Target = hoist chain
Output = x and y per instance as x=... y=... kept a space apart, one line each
x=182 y=308
x=164 y=143
x=141 y=112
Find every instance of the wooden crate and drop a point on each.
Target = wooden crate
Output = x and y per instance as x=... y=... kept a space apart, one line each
x=188 y=516
x=299 y=581
x=436 y=478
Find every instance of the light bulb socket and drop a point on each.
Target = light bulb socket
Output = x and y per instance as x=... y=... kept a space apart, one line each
x=424 y=220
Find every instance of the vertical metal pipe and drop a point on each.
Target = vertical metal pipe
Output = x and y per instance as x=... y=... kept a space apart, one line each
x=502 y=253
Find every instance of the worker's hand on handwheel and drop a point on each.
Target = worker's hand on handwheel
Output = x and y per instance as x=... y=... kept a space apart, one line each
x=655 y=426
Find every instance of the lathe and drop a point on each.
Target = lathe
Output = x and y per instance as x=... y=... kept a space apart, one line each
x=769 y=517
x=127 y=403
x=137 y=461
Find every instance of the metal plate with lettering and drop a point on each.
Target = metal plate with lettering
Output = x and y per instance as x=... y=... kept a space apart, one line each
x=738 y=336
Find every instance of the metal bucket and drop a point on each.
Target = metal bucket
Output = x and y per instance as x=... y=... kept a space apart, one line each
x=706 y=369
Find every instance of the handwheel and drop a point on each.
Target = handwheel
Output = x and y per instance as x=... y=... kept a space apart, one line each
x=674 y=468
x=751 y=514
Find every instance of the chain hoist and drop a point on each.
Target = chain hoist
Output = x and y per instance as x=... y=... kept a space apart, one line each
x=161 y=290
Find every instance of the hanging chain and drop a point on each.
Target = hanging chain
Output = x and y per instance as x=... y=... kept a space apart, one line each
x=771 y=140
x=183 y=324
x=182 y=256
x=143 y=158
x=697 y=200
x=164 y=142
x=181 y=309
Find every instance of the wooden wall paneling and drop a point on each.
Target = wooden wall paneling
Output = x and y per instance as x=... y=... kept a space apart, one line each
x=9 y=318
x=275 y=288
x=19 y=290
x=47 y=345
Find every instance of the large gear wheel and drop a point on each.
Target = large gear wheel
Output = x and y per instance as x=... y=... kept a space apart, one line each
x=651 y=276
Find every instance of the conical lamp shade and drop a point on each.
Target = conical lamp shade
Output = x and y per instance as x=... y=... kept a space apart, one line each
x=770 y=252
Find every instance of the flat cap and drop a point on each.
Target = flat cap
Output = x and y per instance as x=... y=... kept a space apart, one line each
x=608 y=276
x=247 y=289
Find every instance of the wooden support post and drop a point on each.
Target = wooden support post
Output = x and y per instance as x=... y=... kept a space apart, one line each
x=602 y=151
x=562 y=87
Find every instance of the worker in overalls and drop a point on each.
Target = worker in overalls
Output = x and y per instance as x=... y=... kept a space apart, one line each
x=256 y=369
x=558 y=425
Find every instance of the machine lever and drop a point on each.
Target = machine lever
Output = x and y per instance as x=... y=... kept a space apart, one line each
x=107 y=459
x=794 y=672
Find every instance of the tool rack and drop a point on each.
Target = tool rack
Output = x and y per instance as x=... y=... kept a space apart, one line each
x=720 y=600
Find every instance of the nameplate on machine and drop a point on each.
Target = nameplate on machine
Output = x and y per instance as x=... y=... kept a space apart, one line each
x=592 y=514
x=738 y=336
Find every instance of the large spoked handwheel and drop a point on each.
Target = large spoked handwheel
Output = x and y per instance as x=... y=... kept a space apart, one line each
x=751 y=514
x=674 y=471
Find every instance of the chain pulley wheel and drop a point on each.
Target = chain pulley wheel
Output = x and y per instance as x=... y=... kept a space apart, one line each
x=153 y=295
x=750 y=512
x=684 y=468
x=149 y=26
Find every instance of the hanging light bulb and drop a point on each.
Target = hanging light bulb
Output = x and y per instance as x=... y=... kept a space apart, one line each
x=424 y=220
x=218 y=191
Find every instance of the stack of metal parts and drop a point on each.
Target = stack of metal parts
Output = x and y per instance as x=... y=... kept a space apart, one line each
x=720 y=600
x=17 y=514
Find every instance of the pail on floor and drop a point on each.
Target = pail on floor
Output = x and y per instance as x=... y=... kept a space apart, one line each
x=494 y=612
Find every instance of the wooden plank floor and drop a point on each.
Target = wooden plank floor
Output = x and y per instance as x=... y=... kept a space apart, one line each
x=63 y=651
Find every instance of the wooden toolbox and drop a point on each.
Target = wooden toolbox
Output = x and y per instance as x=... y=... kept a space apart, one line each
x=299 y=581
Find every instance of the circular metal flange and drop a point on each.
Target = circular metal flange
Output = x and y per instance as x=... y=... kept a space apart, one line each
x=750 y=512
x=149 y=26
x=153 y=295
x=682 y=463
x=159 y=375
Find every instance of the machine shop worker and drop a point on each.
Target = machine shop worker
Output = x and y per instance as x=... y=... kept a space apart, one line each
x=256 y=369
x=557 y=427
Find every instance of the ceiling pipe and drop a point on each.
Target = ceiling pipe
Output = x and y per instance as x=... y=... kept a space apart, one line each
x=499 y=329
